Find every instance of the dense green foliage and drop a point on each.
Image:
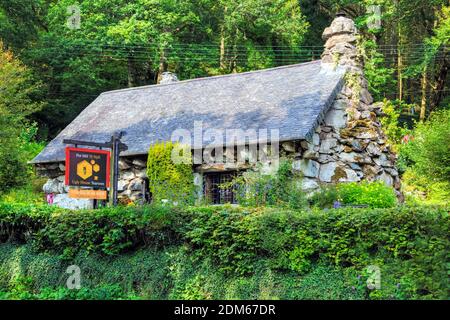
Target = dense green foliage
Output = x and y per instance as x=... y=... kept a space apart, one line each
x=372 y=194
x=169 y=170
x=164 y=274
x=280 y=188
x=22 y=288
x=17 y=134
x=366 y=194
x=50 y=72
x=127 y=43
x=425 y=158
x=108 y=231
x=408 y=244
x=429 y=150
x=283 y=189
x=394 y=130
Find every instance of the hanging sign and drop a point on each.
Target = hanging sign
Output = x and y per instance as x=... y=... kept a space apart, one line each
x=87 y=168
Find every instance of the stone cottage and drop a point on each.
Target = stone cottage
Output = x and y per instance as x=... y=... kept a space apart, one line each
x=322 y=112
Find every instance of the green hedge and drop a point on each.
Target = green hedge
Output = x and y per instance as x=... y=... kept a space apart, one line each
x=169 y=273
x=409 y=244
x=108 y=231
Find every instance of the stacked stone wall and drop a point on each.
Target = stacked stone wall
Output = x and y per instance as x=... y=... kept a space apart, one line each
x=350 y=145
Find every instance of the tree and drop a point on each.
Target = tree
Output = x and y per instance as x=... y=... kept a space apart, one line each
x=21 y=21
x=251 y=31
x=122 y=43
x=431 y=148
x=426 y=158
x=16 y=91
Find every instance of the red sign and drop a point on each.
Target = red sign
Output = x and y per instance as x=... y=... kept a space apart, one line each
x=87 y=168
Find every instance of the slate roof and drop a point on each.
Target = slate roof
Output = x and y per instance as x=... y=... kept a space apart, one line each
x=291 y=98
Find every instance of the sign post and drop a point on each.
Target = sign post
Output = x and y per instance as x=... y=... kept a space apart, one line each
x=117 y=147
x=91 y=168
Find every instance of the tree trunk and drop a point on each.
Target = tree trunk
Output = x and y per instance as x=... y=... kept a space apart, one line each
x=399 y=73
x=423 y=104
x=234 y=64
x=399 y=55
x=222 y=43
x=235 y=53
x=222 y=50
x=441 y=79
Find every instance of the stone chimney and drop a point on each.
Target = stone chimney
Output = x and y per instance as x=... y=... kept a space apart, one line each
x=341 y=44
x=341 y=49
x=350 y=145
x=168 y=77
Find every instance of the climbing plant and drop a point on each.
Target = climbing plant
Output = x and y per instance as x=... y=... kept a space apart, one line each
x=169 y=169
x=280 y=188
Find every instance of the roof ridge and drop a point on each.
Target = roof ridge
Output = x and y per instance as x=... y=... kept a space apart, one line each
x=211 y=77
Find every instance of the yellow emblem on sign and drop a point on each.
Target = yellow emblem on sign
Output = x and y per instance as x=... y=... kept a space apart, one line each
x=84 y=169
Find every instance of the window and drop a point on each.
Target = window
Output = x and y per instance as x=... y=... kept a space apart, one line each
x=213 y=190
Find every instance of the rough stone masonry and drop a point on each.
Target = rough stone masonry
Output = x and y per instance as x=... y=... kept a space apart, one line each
x=349 y=145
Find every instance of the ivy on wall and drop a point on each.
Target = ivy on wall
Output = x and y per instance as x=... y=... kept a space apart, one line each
x=169 y=170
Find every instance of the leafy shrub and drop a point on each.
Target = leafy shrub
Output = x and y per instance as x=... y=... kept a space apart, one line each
x=430 y=152
x=103 y=292
x=279 y=189
x=360 y=237
x=169 y=169
x=25 y=194
x=373 y=194
x=322 y=282
x=19 y=221
x=15 y=104
x=108 y=231
x=300 y=256
x=227 y=236
x=194 y=289
x=21 y=290
x=18 y=181
x=143 y=271
x=425 y=159
x=17 y=144
x=171 y=273
x=324 y=197
x=390 y=121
